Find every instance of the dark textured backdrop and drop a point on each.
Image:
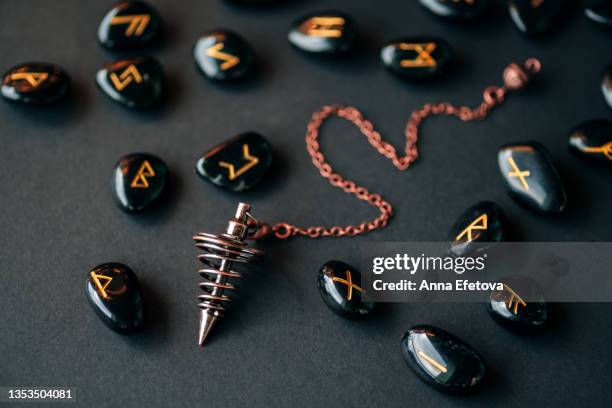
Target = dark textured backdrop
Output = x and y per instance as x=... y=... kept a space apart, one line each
x=280 y=345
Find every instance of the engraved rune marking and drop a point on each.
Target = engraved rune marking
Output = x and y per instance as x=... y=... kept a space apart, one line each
x=438 y=366
x=229 y=59
x=516 y=172
x=349 y=283
x=605 y=149
x=126 y=77
x=480 y=223
x=328 y=27
x=137 y=23
x=252 y=161
x=140 y=180
x=33 y=78
x=423 y=58
x=101 y=288
x=514 y=299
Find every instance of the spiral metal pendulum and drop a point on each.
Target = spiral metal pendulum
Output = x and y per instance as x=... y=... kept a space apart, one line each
x=221 y=252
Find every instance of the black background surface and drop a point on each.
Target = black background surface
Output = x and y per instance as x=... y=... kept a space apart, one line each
x=280 y=345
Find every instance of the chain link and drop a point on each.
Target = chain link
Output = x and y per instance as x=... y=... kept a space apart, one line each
x=515 y=77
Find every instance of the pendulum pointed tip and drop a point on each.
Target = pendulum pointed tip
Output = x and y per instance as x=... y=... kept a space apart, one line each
x=207 y=321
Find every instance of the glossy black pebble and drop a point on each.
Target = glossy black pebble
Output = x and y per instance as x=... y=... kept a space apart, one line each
x=442 y=360
x=223 y=55
x=340 y=287
x=534 y=17
x=112 y=290
x=456 y=9
x=592 y=140
x=129 y=25
x=531 y=176
x=35 y=83
x=520 y=306
x=136 y=83
x=600 y=13
x=417 y=58
x=237 y=164
x=606 y=85
x=138 y=181
x=480 y=225
x=326 y=32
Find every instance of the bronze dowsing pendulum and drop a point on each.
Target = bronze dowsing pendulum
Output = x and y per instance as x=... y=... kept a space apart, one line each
x=224 y=250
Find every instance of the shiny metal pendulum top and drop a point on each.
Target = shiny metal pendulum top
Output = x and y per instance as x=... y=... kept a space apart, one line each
x=221 y=252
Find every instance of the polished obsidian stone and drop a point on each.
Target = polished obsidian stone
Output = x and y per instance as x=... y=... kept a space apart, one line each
x=606 y=85
x=138 y=181
x=592 y=140
x=223 y=55
x=600 y=13
x=112 y=289
x=326 y=32
x=442 y=360
x=238 y=163
x=480 y=225
x=341 y=290
x=129 y=25
x=417 y=58
x=531 y=176
x=36 y=83
x=136 y=83
x=520 y=306
x=534 y=16
x=456 y=9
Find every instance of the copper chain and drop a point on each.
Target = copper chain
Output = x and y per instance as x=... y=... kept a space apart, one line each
x=515 y=77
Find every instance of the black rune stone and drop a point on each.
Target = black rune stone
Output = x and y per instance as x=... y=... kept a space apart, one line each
x=138 y=181
x=478 y=226
x=520 y=305
x=417 y=58
x=136 y=83
x=129 y=25
x=531 y=176
x=456 y=9
x=592 y=140
x=223 y=55
x=36 y=83
x=606 y=85
x=112 y=290
x=534 y=16
x=327 y=32
x=237 y=164
x=340 y=287
x=442 y=360
x=600 y=13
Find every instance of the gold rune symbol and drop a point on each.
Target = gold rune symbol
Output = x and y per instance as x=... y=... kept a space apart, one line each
x=423 y=58
x=140 y=180
x=252 y=161
x=349 y=283
x=101 y=288
x=33 y=78
x=518 y=173
x=126 y=77
x=438 y=366
x=605 y=149
x=229 y=59
x=514 y=299
x=137 y=23
x=328 y=27
x=479 y=223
